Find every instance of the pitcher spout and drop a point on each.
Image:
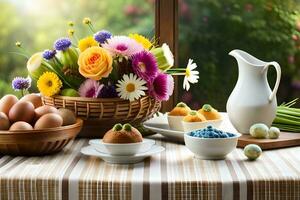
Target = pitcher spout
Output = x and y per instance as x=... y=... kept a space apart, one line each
x=235 y=53
x=243 y=56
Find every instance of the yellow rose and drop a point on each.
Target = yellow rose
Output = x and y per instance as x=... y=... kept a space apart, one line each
x=95 y=63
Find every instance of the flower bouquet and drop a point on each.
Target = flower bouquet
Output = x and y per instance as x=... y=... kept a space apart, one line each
x=107 y=79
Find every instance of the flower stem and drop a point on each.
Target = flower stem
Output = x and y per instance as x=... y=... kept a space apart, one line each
x=177 y=69
x=24 y=52
x=91 y=28
x=176 y=73
x=20 y=54
x=76 y=39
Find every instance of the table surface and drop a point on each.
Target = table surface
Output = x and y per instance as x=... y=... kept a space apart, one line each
x=172 y=174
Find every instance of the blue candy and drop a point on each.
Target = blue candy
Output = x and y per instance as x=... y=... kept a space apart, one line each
x=210 y=132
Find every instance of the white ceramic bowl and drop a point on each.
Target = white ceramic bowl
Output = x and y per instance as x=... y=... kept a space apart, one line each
x=191 y=126
x=175 y=122
x=122 y=149
x=211 y=148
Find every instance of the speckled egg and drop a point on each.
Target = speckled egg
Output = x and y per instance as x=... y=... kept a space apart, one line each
x=252 y=151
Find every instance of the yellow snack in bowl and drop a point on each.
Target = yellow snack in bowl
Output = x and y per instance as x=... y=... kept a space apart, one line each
x=181 y=109
x=194 y=116
x=209 y=112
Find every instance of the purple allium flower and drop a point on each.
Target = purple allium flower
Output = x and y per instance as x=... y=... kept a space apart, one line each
x=90 y=88
x=102 y=36
x=20 y=83
x=144 y=65
x=62 y=44
x=108 y=91
x=49 y=54
x=161 y=87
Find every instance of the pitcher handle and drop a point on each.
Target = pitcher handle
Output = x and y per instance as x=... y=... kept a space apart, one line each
x=278 y=71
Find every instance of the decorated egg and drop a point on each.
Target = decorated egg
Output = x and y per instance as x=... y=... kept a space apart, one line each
x=274 y=133
x=259 y=131
x=252 y=151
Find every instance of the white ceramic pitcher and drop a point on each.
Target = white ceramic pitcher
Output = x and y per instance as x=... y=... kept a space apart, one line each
x=252 y=100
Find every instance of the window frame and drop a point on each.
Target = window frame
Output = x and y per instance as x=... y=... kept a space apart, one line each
x=166 y=31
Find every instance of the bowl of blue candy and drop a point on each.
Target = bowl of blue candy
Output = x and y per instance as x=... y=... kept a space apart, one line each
x=210 y=143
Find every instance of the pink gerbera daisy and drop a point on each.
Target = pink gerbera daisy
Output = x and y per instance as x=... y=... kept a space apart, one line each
x=144 y=65
x=90 y=88
x=161 y=88
x=122 y=46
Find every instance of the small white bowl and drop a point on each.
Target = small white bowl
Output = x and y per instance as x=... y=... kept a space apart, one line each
x=191 y=126
x=175 y=122
x=211 y=148
x=125 y=149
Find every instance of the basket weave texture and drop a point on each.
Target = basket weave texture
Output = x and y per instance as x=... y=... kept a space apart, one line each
x=38 y=142
x=101 y=114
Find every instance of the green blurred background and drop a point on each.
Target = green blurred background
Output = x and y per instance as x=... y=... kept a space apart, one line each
x=208 y=30
x=38 y=23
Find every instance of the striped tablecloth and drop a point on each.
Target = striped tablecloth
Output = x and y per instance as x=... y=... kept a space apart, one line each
x=173 y=174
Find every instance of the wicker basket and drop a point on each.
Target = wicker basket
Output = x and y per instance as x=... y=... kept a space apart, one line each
x=100 y=115
x=38 y=142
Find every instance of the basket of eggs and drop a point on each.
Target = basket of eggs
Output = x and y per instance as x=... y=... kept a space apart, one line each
x=106 y=79
x=29 y=128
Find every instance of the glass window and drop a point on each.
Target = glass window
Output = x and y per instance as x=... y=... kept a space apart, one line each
x=210 y=29
x=38 y=23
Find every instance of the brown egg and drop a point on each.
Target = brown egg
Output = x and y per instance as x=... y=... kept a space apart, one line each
x=40 y=111
x=50 y=120
x=22 y=111
x=68 y=116
x=18 y=126
x=4 y=121
x=35 y=99
x=7 y=102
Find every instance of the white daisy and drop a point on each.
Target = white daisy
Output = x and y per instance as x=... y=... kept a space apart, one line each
x=131 y=87
x=191 y=75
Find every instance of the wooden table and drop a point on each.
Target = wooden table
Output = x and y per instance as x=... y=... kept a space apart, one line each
x=173 y=174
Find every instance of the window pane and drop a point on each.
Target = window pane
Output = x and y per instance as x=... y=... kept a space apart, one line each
x=210 y=29
x=38 y=23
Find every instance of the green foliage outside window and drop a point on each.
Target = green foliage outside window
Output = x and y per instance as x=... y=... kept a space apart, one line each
x=267 y=29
